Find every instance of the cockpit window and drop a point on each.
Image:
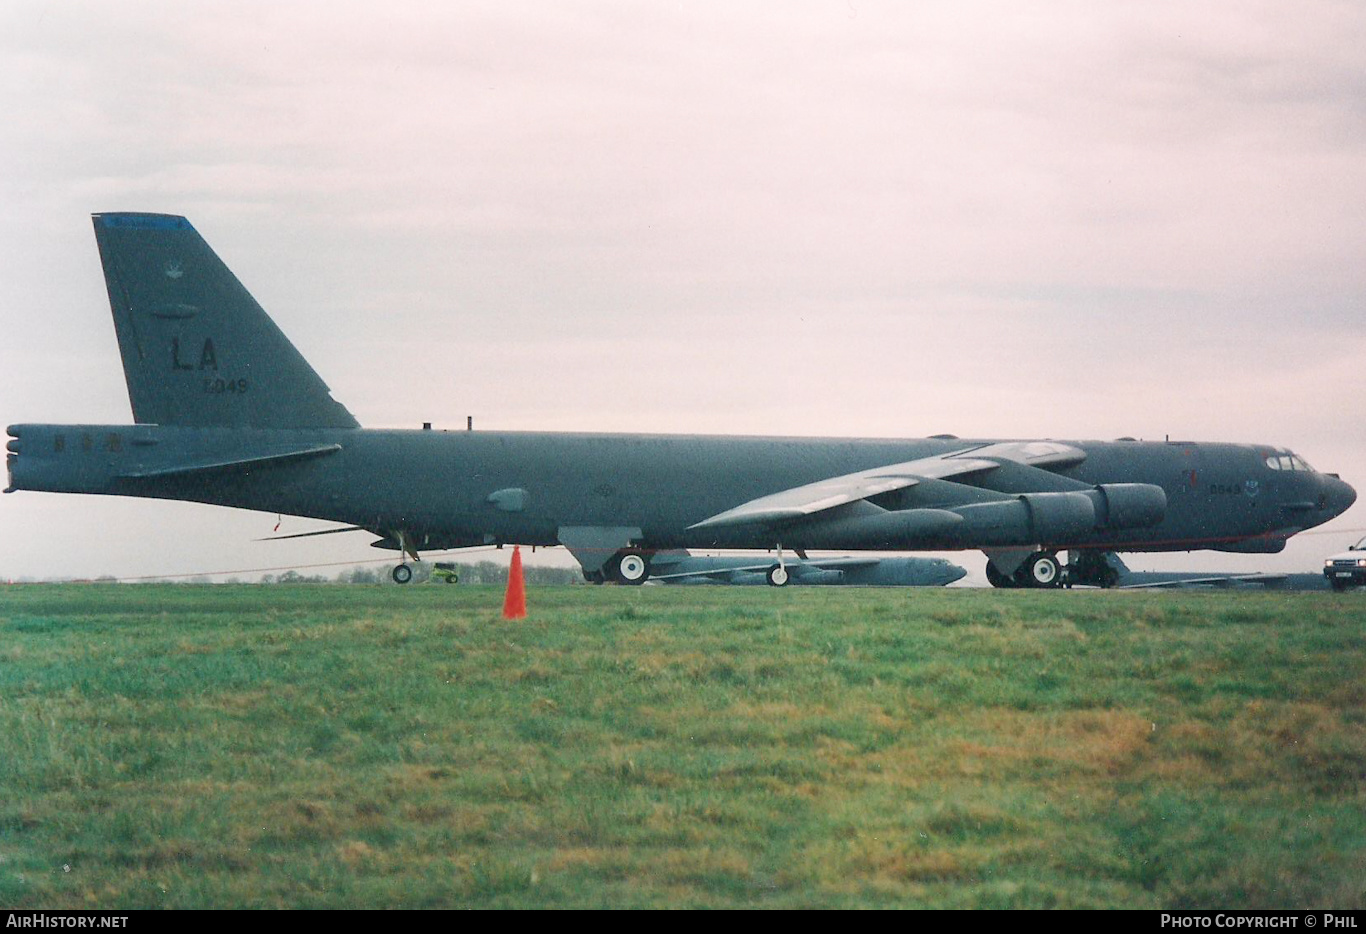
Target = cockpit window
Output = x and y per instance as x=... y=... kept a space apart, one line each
x=1288 y=462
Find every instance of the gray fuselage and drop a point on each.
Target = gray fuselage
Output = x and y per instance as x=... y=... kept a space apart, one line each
x=449 y=489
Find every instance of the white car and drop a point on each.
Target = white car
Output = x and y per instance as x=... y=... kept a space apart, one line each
x=1347 y=569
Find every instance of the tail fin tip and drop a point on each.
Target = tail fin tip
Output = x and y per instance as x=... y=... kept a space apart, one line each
x=141 y=220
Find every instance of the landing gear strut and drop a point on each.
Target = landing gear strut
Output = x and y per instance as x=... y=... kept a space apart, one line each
x=777 y=575
x=403 y=573
x=1091 y=567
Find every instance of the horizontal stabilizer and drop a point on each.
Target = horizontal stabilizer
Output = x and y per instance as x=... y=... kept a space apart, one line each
x=345 y=528
x=241 y=462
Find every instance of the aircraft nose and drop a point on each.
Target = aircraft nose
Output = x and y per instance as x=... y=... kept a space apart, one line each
x=1339 y=494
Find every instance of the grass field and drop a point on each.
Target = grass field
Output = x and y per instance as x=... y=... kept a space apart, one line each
x=342 y=746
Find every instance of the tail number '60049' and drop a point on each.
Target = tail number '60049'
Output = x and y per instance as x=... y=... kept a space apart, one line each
x=216 y=386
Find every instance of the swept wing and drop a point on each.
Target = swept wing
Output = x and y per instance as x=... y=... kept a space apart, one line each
x=823 y=495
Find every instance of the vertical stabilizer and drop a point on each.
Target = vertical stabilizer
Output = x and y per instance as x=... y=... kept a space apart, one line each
x=197 y=348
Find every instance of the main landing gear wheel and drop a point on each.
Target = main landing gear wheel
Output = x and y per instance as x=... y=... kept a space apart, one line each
x=401 y=574
x=778 y=576
x=630 y=567
x=1041 y=570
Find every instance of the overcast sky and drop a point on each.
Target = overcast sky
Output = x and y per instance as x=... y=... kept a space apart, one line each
x=1068 y=220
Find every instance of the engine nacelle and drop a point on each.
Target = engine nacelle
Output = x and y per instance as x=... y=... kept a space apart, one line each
x=1059 y=517
x=1053 y=518
x=891 y=530
x=1067 y=517
x=1031 y=518
x=1130 y=505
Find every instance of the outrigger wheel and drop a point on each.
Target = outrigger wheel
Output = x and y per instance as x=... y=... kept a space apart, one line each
x=629 y=567
x=402 y=574
x=778 y=576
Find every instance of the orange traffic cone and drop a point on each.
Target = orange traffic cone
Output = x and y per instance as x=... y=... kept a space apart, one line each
x=514 y=601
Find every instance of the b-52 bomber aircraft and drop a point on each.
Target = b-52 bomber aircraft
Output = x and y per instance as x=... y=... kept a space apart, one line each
x=226 y=411
x=681 y=567
x=1126 y=579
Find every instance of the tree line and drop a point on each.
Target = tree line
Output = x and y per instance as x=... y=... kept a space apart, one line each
x=482 y=572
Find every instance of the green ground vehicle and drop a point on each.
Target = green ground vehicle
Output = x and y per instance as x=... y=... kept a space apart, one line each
x=444 y=572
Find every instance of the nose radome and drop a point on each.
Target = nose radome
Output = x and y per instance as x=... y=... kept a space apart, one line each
x=1341 y=495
